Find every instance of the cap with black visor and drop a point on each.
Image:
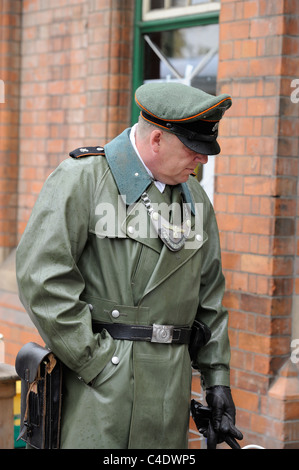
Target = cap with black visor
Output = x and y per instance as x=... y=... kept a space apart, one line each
x=191 y=114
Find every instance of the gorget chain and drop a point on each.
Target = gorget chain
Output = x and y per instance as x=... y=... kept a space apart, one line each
x=173 y=236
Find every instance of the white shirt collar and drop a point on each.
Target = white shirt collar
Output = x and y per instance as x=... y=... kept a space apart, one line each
x=158 y=184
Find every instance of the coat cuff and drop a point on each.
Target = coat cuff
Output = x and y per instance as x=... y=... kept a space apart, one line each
x=211 y=377
x=98 y=361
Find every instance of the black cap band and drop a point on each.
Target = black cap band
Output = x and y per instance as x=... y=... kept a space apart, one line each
x=205 y=131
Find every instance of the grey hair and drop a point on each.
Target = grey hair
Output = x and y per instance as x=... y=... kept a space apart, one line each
x=144 y=127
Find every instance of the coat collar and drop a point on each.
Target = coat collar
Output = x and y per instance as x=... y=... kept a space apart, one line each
x=129 y=173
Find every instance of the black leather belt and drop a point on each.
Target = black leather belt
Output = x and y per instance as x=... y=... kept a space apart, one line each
x=154 y=333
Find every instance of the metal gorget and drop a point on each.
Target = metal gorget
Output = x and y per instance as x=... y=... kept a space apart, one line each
x=172 y=235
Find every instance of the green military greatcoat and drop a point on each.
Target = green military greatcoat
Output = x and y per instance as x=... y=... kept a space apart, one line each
x=78 y=262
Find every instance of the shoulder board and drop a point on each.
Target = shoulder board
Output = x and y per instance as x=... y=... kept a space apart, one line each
x=86 y=152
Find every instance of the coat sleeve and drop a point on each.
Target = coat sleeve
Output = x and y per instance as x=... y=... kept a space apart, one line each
x=214 y=358
x=49 y=280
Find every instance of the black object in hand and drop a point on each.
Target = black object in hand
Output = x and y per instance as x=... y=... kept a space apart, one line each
x=202 y=416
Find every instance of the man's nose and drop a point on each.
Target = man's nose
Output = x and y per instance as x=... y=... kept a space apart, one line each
x=202 y=158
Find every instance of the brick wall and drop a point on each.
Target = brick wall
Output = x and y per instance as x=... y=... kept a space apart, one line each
x=256 y=201
x=75 y=84
x=10 y=27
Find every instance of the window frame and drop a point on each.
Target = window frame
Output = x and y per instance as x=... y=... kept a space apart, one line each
x=168 y=11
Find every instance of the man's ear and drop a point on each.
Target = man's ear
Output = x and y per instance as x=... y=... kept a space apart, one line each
x=155 y=140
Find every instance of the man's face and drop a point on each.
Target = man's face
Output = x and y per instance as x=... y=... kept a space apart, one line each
x=173 y=162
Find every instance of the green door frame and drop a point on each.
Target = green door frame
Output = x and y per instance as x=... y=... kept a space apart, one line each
x=144 y=27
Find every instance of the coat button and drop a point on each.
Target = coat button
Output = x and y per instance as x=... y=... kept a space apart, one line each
x=115 y=313
x=115 y=360
x=131 y=229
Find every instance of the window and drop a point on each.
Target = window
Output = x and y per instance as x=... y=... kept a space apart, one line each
x=189 y=55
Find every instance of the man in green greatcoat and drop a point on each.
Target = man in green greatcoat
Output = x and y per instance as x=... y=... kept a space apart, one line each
x=120 y=256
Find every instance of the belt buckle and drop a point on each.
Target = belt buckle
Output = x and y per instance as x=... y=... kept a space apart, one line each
x=162 y=333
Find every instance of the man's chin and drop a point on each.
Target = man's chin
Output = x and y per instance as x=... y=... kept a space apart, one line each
x=185 y=176
x=182 y=178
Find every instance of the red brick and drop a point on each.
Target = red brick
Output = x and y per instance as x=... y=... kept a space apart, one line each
x=259 y=185
x=245 y=165
x=255 y=343
x=253 y=303
x=246 y=400
x=231 y=300
x=256 y=264
x=231 y=261
x=286 y=186
x=220 y=202
x=290 y=46
x=239 y=281
x=291 y=411
x=236 y=68
x=229 y=184
x=271 y=26
x=237 y=357
x=234 y=30
x=250 y=9
x=280 y=345
x=240 y=242
x=252 y=381
x=262 y=425
x=257 y=225
x=229 y=222
x=260 y=146
x=262 y=106
x=261 y=364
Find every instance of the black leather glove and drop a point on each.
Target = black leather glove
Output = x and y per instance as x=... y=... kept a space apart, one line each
x=222 y=423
